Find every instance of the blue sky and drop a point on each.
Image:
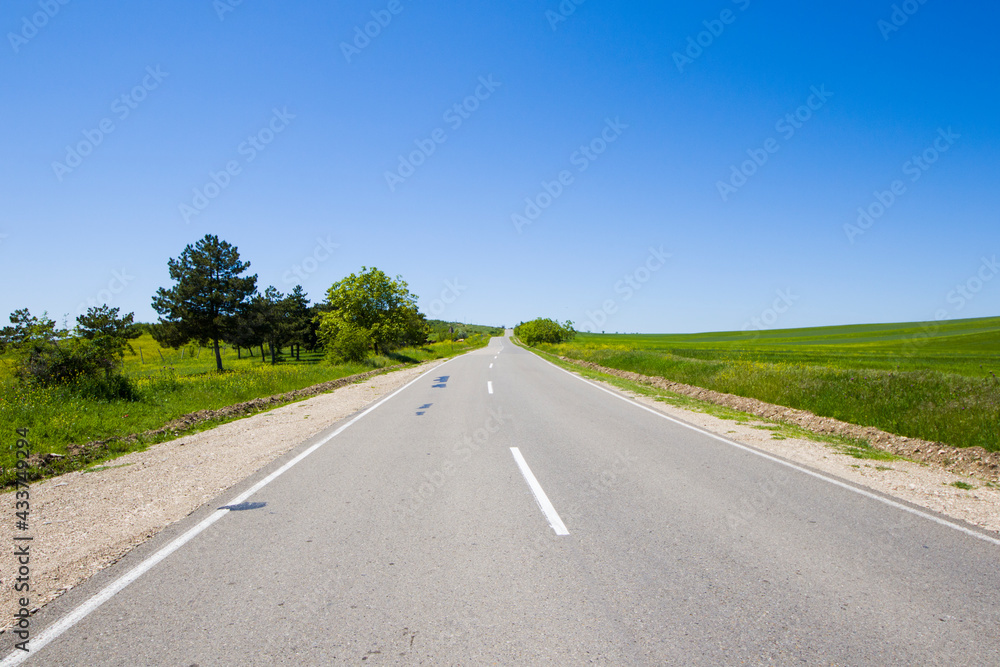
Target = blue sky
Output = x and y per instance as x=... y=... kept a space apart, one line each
x=643 y=109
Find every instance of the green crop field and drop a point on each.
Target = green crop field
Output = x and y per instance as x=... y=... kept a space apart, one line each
x=171 y=383
x=931 y=380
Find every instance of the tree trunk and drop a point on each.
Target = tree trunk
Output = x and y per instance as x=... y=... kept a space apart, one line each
x=263 y=356
x=239 y=355
x=271 y=346
x=298 y=348
x=218 y=355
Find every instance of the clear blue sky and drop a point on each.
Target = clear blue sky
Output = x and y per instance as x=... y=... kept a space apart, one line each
x=200 y=80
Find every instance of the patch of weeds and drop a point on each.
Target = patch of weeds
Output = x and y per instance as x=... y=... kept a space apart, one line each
x=854 y=465
x=860 y=448
x=778 y=436
x=965 y=486
x=884 y=468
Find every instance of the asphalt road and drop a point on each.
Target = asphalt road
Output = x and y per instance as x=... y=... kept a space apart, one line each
x=414 y=537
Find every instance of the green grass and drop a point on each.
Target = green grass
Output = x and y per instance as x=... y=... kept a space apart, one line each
x=962 y=347
x=169 y=387
x=855 y=447
x=860 y=449
x=934 y=381
x=965 y=486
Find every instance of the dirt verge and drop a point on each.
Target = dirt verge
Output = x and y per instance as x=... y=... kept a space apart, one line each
x=974 y=461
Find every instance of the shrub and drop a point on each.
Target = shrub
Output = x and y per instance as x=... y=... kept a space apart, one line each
x=113 y=388
x=342 y=340
x=543 y=330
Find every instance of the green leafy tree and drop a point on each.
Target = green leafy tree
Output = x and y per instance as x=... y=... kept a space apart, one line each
x=343 y=341
x=374 y=302
x=542 y=330
x=209 y=292
x=415 y=330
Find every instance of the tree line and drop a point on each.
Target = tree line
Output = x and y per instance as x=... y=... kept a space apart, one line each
x=214 y=301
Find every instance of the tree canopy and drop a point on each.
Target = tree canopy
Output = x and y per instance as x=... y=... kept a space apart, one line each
x=542 y=330
x=208 y=293
x=86 y=358
x=108 y=335
x=382 y=308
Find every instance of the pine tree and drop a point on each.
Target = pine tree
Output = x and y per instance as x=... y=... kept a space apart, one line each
x=209 y=292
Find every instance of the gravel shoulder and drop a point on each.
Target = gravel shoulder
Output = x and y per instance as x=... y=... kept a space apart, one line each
x=924 y=484
x=84 y=521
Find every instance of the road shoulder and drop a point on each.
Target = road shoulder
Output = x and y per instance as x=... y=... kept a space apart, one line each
x=919 y=483
x=84 y=521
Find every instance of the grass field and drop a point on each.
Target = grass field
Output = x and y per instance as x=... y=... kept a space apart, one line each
x=169 y=386
x=936 y=381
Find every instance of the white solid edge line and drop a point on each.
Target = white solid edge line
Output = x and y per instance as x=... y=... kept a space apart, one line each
x=543 y=500
x=813 y=473
x=66 y=622
x=489 y=386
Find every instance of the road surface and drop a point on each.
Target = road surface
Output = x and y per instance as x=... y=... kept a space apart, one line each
x=499 y=510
